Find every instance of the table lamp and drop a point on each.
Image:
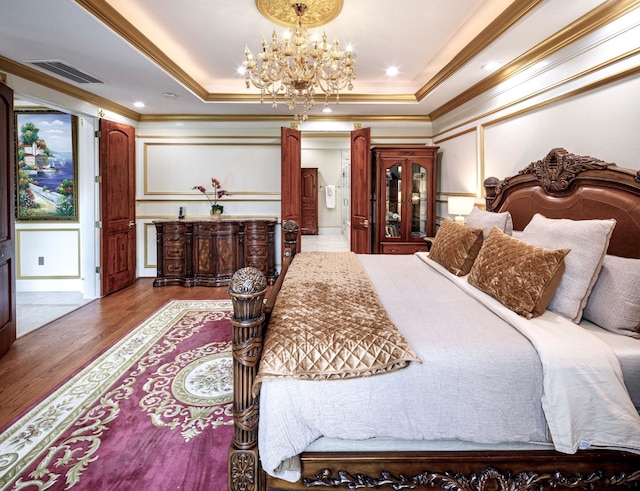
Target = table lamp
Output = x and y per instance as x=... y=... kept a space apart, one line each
x=460 y=206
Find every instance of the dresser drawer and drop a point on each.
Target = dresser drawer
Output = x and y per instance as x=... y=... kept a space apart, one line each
x=257 y=237
x=173 y=228
x=175 y=251
x=257 y=251
x=173 y=240
x=173 y=267
x=214 y=227
x=258 y=263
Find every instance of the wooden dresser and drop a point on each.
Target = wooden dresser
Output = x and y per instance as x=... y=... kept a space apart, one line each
x=208 y=252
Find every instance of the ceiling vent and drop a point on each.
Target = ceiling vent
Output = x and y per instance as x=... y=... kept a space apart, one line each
x=65 y=70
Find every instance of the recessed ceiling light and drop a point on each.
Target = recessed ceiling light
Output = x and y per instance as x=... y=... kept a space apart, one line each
x=491 y=66
x=139 y=104
x=392 y=71
x=169 y=95
x=327 y=110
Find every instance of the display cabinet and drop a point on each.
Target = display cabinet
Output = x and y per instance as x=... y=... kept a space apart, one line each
x=405 y=198
x=208 y=252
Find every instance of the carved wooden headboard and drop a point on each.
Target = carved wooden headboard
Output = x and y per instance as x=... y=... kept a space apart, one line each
x=564 y=185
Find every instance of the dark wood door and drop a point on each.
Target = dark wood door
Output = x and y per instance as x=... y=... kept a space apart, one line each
x=361 y=191
x=118 y=206
x=309 y=189
x=7 y=210
x=290 y=185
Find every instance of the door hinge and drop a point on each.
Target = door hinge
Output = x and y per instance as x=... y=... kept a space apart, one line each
x=99 y=224
x=98 y=134
x=98 y=179
x=98 y=270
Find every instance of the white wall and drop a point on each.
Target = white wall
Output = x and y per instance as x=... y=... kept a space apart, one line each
x=172 y=158
x=596 y=119
x=583 y=98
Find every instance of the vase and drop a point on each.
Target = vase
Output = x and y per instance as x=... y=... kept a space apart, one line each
x=215 y=214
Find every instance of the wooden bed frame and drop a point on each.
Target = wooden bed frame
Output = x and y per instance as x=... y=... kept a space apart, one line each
x=561 y=185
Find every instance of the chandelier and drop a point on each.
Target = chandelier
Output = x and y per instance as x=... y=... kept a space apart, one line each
x=299 y=66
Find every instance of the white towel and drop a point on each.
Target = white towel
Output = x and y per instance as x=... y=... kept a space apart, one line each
x=331 y=196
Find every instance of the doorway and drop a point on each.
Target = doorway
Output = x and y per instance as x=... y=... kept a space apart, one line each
x=331 y=158
x=45 y=293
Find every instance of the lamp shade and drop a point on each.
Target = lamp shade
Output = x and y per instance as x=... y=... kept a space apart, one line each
x=460 y=205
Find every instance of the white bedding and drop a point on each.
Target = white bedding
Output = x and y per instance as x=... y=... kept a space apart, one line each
x=489 y=387
x=585 y=400
x=627 y=350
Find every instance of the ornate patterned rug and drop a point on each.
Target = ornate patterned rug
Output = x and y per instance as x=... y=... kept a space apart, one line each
x=153 y=412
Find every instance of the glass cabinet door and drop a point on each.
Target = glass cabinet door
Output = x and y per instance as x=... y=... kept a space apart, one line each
x=419 y=179
x=393 y=204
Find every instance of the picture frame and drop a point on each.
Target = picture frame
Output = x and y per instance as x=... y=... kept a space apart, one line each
x=46 y=166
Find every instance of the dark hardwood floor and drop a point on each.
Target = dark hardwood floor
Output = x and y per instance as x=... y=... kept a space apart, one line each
x=46 y=357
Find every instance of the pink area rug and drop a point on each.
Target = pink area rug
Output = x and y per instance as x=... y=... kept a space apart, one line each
x=152 y=413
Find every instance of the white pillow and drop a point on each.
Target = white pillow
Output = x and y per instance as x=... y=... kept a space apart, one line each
x=588 y=241
x=614 y=303
x=486 y=220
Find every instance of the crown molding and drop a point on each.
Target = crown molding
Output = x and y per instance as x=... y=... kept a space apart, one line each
x=145 y=118
x=514 y=13
x=23 y=71
x=602 y=15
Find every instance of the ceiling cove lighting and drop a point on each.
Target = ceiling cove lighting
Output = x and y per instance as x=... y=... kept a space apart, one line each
x=491 y=66
x=298 y=67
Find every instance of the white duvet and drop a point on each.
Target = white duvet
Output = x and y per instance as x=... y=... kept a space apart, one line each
x=585 y=400
x=488 y=376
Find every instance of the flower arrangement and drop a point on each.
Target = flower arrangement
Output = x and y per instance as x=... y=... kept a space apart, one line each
x=218 y=193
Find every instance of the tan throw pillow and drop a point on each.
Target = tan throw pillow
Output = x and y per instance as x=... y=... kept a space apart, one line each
x=456 y=246
x=588 y=241
x=521 y=276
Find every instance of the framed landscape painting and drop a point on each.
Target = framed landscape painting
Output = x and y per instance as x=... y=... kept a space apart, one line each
x=46 y=166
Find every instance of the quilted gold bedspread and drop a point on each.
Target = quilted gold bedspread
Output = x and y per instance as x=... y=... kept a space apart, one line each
x=328 y=323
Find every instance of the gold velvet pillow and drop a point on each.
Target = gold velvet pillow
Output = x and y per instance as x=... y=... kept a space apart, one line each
x=456 y=246
x=519 y=275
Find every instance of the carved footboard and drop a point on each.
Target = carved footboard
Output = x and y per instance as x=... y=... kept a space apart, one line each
x=472 y=471
x=250 y=317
